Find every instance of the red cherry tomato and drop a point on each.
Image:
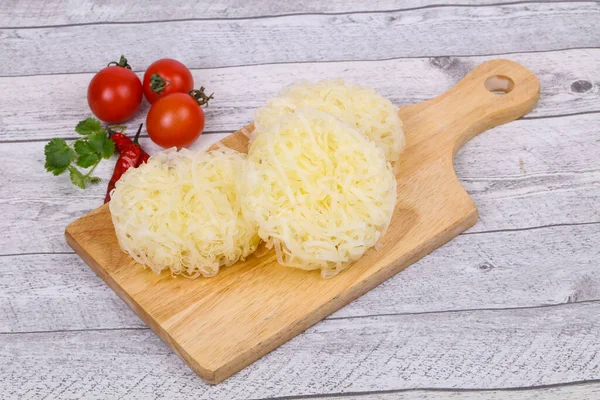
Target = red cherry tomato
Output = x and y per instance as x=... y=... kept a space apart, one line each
x=164 y=77
x=115 y=93
x=175 y=120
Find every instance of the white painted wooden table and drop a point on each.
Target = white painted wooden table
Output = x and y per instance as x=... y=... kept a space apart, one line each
x=510 y=308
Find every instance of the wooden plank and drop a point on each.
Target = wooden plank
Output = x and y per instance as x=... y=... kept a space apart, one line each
x=554 y=265
x=577 y=391
x=520 y=175
x=365 y=36
x=23 y=13
x=567 y=80
x=49 y=292
x=472 y=349
x=533 y=169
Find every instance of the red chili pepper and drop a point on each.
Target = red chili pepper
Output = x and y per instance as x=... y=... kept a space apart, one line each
x=143 y=157
x=122 y=142
x=130 y=155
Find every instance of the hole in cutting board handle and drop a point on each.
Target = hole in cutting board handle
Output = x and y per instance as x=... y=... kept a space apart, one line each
x=499 y=84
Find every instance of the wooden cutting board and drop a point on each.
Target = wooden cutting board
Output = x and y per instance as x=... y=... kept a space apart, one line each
x=220 y=325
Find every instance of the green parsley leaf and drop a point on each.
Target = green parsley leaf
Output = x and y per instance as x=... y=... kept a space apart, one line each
x=87 y=160
x=95 y=179
x=102 y=144
x=77 y=177
x=58 y=156
x=88 y=126
x=108 y=148
x=83 y=147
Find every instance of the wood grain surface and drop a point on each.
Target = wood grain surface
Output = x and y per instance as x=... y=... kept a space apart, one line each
x=526 y=347
x=23 y=13
x=533 y=253
x=491 y=271
x=567 y=79
x=308 y=38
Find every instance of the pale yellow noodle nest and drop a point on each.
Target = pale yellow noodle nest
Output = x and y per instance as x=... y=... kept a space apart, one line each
x=372 y=114
x=182 y=211
x=319 y=191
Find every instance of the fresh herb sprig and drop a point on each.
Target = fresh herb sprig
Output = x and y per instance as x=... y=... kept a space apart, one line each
x=86 y=152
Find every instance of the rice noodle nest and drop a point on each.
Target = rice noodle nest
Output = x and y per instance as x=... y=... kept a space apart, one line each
x=364 y=108
x=182 y=211
x=318 y=190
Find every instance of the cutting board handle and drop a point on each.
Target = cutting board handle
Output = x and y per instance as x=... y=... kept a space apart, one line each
x=500 y=91
x=492 y=94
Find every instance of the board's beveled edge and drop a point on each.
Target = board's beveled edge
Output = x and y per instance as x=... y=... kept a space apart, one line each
x=208 y=375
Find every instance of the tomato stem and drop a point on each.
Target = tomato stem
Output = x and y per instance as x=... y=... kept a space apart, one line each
x=112 y=129
x=200 y=96
x=158 y=83
x=122 y=63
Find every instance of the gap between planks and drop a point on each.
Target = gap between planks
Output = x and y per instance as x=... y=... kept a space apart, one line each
x=297 y=14
x=467 y=310
x=587 y=382
x=333 y=61
x=11 y=141
x=491 y=231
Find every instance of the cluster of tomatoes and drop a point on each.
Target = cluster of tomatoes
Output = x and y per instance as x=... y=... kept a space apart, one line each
x=175 y=117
